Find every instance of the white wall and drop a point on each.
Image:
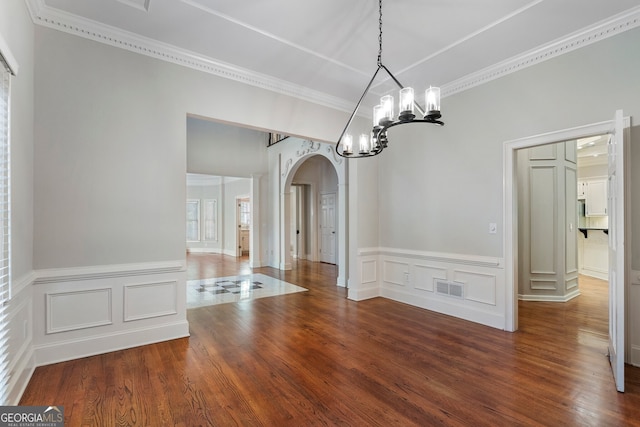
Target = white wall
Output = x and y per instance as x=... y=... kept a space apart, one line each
x=16 y=29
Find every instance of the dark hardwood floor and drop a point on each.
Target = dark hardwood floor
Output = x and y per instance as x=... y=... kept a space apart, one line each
x=317 y=358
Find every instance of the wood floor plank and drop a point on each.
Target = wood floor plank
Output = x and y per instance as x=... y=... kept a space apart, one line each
x=317 y=358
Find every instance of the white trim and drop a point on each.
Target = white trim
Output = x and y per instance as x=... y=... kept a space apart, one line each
x=49 y=17
x=41 y=14
x=55 y=275
x=550 y=298
x=510 y=244
x=204 y=250
x=482 y=261
x=22 y=375
x=613 y=26
x=62 y=351
x=51 y=312
x=8 y=56
x=129 y=316
x=23 y=283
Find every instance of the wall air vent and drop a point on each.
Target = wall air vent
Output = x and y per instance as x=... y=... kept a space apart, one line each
x=451 y=289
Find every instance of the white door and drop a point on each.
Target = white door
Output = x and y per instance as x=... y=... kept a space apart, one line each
x=328 y=228
x=616 y=209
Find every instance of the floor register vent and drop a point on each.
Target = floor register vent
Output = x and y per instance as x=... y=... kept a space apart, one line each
x=452 y=289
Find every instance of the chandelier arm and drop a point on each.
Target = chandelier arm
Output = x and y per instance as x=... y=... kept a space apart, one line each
x=355 y=110
x=384 y=129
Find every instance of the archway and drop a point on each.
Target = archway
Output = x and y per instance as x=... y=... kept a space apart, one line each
x=293 y=155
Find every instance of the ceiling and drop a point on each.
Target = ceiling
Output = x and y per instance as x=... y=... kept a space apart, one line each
x=326 y=50
x=593 y=150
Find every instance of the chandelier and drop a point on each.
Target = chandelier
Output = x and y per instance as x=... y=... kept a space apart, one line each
x=373 y=143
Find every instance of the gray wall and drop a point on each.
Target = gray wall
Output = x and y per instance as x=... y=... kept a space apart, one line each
x=110 y=151
x=17 y=30
x=452 y=176
x=225 y=150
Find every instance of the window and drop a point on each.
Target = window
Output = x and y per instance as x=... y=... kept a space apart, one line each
x=211 y=219
x=193 y=220
x=5 y=228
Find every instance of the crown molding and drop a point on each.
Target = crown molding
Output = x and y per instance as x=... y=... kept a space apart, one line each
x=41 y=14
x=608 y=28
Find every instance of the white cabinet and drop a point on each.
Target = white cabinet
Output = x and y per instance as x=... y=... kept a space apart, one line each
x=582 y=190
x=596 y=197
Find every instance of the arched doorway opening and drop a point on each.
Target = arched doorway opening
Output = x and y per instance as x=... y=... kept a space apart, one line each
x=322 y=174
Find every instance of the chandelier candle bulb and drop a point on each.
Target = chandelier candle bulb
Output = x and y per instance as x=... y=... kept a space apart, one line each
x=347 y=144
x=364 y=143
x=432 y=101
x=387 y=109
x=377 y=115
x=406 y=104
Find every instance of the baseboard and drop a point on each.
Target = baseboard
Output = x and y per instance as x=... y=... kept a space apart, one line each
x=363 y=294
x=550 y=298
x=594 y=273
x=18 y=383
x=21 y=363
x=90 y=346
x=447 y=307
x=204 y=250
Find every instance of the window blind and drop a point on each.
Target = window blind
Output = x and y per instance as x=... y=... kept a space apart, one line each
x=5 y=229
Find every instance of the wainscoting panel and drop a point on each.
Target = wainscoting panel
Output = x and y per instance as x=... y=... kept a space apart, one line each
x=543 y=284
x=479 y=287
x=68 y=311
x=424 y=276
x=364 y=284
x=571 y=284
x=395 y=272
x=409 y=277
x=92 y=310
x=369 y=271
x=149 y=300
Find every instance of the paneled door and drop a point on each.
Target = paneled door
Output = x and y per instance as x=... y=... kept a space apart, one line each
x=328 y=228
x=617 y=268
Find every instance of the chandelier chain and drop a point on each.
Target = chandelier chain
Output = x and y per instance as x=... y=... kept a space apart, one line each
x=379 y=33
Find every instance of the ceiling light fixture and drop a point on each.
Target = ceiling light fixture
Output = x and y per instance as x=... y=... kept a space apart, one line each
x=373 y=143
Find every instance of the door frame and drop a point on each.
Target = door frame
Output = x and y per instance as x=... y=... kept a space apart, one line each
x=510 y=230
